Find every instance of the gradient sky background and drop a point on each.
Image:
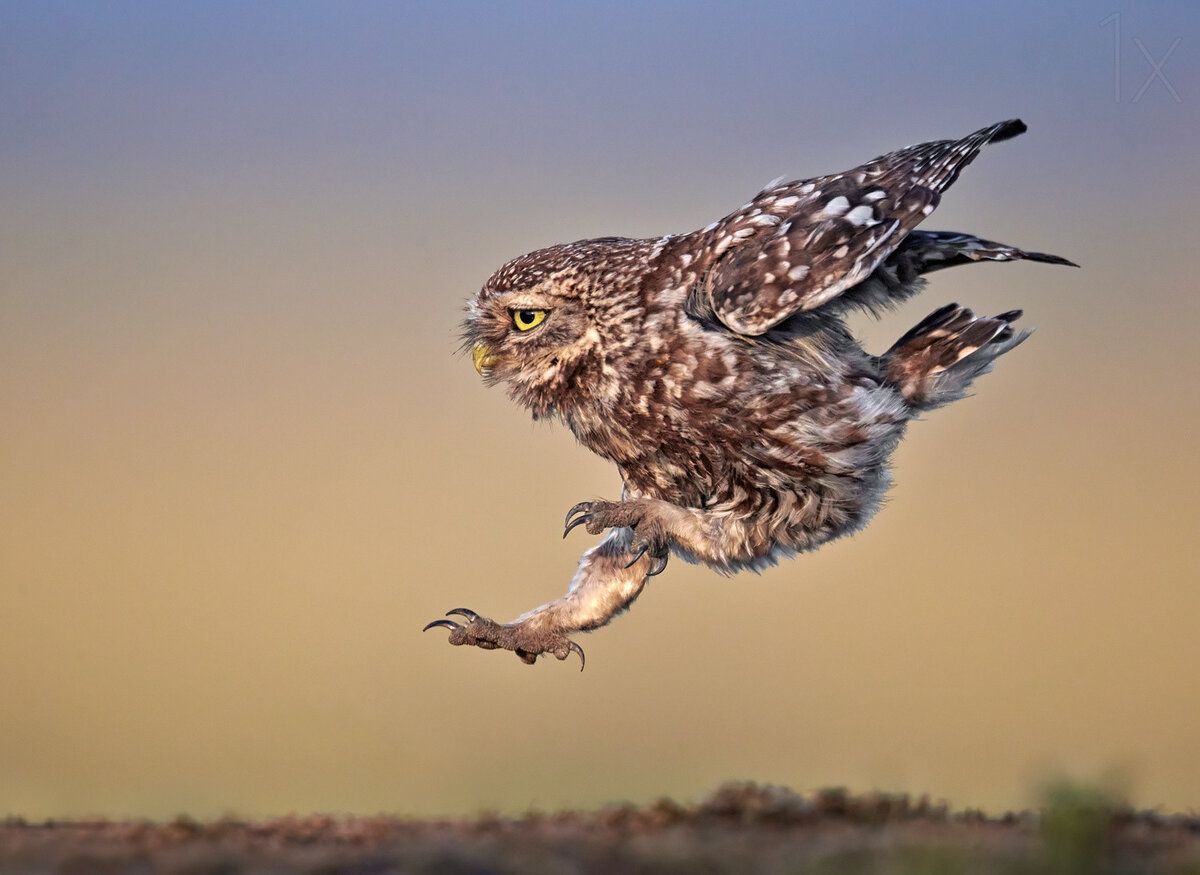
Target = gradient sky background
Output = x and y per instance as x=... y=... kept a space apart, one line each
x=241 y=464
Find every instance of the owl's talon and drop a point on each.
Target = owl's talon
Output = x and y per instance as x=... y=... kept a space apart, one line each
x=649 y=534
x=582 y=519
x=596 y=516
x=572 y=647
x=658 y=552
x=527 y=641
x=583 y=509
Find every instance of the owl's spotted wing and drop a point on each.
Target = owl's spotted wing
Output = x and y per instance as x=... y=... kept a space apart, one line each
x=800 y=244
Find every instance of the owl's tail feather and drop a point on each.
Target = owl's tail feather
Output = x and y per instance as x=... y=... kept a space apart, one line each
x=936 y=360
x=935 y=250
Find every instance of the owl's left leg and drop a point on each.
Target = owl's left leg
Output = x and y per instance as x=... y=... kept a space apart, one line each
x=605 y=584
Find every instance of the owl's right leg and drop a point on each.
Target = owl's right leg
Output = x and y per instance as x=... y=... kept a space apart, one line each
x=604 y=585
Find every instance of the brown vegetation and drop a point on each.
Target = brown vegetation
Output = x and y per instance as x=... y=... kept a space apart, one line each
x=740 y=828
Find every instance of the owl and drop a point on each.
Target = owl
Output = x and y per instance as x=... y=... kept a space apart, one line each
x=716 y=371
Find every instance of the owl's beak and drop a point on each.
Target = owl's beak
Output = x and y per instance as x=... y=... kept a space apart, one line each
x=483 y=357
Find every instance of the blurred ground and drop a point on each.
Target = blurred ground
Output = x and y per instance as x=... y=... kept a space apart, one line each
x=740 y=828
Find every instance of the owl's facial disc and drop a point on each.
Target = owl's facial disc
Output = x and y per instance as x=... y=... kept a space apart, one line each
x=524 y=320
x=518 y=320
x=530 y=323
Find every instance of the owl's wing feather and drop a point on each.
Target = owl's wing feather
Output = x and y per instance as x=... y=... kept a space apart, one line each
x=800 y=244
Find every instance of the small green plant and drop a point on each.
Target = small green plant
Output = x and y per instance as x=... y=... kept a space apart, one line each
x=1076 y=825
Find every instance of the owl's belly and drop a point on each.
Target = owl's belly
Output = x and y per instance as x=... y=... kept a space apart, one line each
x=792 y=480
x=795 y=451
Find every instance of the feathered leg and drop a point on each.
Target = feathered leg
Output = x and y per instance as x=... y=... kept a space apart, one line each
x=605 y=584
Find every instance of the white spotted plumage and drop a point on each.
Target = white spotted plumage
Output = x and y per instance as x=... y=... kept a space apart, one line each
x=715 y=370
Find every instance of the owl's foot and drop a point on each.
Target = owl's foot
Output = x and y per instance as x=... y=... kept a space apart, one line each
x=650 y=537
x=526 y=642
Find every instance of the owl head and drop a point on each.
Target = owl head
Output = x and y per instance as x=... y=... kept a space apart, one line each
x=540 y=324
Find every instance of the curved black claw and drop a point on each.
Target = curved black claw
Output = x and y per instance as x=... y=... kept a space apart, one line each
x=463 y=612
x=584 y=510
x=659 y=555
x=449 y=624
x=575 y=648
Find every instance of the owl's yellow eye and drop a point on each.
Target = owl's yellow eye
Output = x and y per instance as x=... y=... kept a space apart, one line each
x=524 y=320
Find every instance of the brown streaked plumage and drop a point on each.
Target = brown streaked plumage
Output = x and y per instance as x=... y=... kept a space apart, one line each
x=715 y=369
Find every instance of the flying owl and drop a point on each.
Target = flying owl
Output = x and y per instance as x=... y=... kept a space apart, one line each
x=715 y=369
